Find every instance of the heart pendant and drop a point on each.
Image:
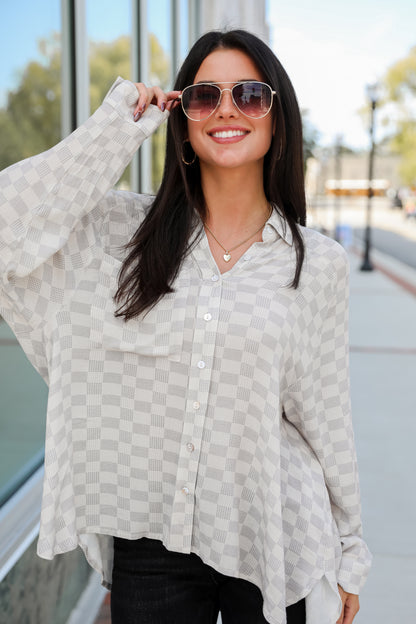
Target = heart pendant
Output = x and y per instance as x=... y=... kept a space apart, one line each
x=227 y=257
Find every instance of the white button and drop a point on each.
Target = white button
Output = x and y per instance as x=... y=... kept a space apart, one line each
x=185 y=490
x=190 y=447
x=196 y=405
x=207 y=316
x=215 y=278
x=201 y=364
x=247 y=257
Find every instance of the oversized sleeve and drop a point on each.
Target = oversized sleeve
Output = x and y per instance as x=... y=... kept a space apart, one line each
x=44 y=197
x=52 y=210
x=318 y=405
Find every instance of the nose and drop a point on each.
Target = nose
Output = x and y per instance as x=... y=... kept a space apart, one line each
x=226 y=107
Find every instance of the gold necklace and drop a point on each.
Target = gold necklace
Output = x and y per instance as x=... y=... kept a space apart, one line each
x=227 y=254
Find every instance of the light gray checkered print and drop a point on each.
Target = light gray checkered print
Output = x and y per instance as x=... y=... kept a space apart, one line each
x=220 y=422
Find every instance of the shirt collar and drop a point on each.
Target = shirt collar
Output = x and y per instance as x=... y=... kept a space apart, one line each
x=279 y=222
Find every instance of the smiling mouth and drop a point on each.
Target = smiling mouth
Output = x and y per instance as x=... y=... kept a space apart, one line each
x=228 y=134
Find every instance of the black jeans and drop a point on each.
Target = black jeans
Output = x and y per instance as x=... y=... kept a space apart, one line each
x=152 y=585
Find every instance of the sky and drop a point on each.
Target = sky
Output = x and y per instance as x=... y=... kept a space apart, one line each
x=330 y=48
x=333 y=49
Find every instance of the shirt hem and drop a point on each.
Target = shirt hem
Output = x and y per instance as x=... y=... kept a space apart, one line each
x=320 y=589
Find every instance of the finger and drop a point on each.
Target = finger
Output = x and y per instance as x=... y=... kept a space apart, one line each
x=343 y=597
x=142 y=100
x=153 y=95
x=173 y=99
x=159 y=98
x=351 y=609
x=165 y=100
x=172 y=95
x=150 y=95
x=172 y=104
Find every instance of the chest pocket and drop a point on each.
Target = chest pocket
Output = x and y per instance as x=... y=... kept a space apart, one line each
x=156 y=333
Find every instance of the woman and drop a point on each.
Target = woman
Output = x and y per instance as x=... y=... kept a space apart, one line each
x=199 y=442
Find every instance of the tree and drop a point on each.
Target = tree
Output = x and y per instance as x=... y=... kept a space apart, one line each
x=31 y=121
x=109 y=60
x=400 y=85
x=159 y=74
x=11 y=145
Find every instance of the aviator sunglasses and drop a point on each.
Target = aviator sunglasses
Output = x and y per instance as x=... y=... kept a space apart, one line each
x=252 y=98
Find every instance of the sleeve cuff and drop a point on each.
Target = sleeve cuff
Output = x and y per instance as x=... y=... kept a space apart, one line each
x=353 y=573
x=122 y=98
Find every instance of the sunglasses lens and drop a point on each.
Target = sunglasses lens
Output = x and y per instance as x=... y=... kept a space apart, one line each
x=254 y=99
x=199 y=101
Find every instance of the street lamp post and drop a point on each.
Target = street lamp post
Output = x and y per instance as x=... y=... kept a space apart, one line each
x=337 y=190
x=372 y=95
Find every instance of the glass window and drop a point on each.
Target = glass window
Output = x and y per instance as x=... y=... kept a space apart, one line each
x=30 y=117
x=109 y=39
x=109 y=27
x=30 y=122
x=23 y=396
x=159 y=18
x=184 y=31
x=109 y=47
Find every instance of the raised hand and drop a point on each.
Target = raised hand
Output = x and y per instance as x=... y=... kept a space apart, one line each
x=154 y=95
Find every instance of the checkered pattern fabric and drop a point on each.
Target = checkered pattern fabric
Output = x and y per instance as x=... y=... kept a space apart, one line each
x=219 y=422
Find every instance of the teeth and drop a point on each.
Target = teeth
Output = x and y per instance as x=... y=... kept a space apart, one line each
x=228 y=134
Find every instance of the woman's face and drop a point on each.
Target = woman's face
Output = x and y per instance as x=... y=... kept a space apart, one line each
x=247 y=140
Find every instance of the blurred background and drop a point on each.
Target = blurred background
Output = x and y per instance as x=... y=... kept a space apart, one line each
x=353 y=66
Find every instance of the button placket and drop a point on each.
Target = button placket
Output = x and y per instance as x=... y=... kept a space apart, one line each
x=208 y=294
x=206 y=321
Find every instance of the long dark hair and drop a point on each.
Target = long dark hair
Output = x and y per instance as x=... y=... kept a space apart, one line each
x=168 y=232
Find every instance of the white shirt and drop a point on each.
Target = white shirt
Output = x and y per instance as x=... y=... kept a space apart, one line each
x=219 y=422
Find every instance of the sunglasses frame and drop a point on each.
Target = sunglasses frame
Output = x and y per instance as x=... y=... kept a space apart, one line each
x=221 y=91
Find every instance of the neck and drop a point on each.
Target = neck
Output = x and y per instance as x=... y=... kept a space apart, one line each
x=235 y=198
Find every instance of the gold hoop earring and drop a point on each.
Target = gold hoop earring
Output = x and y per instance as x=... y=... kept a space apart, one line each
x=190 y=162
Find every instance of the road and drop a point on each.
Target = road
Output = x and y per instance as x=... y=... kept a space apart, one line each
x=391 y=232
x=393 y=244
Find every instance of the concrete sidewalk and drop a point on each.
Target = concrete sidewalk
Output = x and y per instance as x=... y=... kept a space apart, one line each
x=383 y=381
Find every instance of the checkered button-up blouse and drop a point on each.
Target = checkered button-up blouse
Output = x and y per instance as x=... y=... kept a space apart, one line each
x=219 y=422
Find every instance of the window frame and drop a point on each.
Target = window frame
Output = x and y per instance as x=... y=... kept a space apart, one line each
x=19 y=521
